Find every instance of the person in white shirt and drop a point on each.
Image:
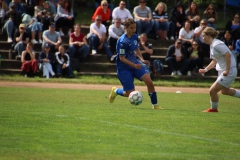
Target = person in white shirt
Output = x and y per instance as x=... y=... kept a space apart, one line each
x=121 y=12
x=186 y=34
x=115 y=31
x=225 y=65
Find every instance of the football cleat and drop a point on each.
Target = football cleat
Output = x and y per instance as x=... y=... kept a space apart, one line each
x=156 y=107
x=210 y=110
x=112 y=95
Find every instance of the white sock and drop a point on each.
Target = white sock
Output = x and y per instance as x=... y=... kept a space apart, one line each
x=214 y=105
x=237 y=94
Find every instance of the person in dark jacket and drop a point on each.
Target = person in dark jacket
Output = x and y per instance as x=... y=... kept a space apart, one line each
x=63 y=63
x=176 y=58
x=46 y=59
x=233 y=26
x=177 y=19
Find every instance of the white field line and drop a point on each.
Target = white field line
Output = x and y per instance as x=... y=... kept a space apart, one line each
x=157 y=131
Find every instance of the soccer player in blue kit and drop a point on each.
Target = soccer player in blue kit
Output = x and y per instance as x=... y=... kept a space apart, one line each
x=129 y=68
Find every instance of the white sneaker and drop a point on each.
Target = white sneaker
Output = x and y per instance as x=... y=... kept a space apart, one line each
x=174 y=73
x=203 y=74
x=94 y=52
x=172 y=38
x=179 y=73
x=40 y=41
x=69 y=32
x=34 y=41
x=9 y=40
x=189 y=73
x=61 y=33
x=167 y=38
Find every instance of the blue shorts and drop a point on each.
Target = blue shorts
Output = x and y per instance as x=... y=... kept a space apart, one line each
x=126 y=77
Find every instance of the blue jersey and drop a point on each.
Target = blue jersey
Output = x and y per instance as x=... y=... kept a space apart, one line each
x=126 y=47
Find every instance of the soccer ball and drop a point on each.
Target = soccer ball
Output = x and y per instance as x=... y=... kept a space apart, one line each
x=135 y=97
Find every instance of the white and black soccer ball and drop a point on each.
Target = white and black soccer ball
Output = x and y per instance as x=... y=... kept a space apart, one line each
x=135 y=97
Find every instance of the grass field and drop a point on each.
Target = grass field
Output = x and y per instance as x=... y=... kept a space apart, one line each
x=41 y=123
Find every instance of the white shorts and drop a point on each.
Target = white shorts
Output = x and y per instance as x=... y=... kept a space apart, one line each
x=226 y=81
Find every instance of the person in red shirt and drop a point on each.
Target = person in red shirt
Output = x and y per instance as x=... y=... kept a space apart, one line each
x=78 y=46
x=104 y=12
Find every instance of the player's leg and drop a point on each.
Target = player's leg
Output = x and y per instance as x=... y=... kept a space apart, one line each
x=126 y=79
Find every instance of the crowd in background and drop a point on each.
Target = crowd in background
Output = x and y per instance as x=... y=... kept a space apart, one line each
x=45 y=22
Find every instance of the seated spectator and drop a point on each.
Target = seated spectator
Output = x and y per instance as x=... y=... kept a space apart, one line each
x=115 y=31
x=33 y=27
x=63 y=63
x=193 y=14
x=97 y=37
x=160 y=17
x=19 y=7
x=104 y=12
x=233 y=26
x=3 y=10
x=229 y=41
x=176 y=58
x=210 y=14
x=195 y=55
x=11 y=22
x=53 y=6
x=29 y=62
x=199 y=38
x=46 y=59
x=237 y=52
x=121 y=12
x=64 y=17
x=146 y=50
x=21 y=40
x=110 y=5
x=52 y=37
x=39 y=13
x=143 y=17
x=177 y=19
x=186 y=34
x=78 y=46
x=47 y=10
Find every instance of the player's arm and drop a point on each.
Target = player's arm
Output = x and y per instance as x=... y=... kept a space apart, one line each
x=126 y=61
x=211 y=65
x=139 y=55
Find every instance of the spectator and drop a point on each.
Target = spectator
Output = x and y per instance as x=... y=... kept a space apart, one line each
x=64 y=17
x=33 y=27
x=211 y=15
x=29 y=62
x=19 y=7
x=121 y=12
x=78 y=46
x=237 y=52
x=233 y=26
x=160 y=17
x=146 y=50
x=186 y=34
x=177 y=19
x=193 y=14
x=195 y=59
x=110 y=5
x=3 y=10
x=46 y=59
x=47 y=10
x=176 y=58
x=115 y=31
x=199 y=38
x=52 y=37
x=40 y=15
x=143 y=17
x=104 y=12
x=63 y=63
x=97 y=37
x=21 y=40
x=229 y=41
x=11 y=22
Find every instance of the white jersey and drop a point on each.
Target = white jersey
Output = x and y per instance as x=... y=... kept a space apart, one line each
x=217 y=51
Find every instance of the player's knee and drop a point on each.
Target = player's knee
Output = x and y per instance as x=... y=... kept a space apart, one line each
x=224 y=92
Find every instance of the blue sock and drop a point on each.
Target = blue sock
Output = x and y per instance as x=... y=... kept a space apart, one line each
x=153 y=97
x=119 y=91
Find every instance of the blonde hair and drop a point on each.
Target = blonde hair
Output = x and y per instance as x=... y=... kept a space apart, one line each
x=163 y=4
x=142 y=35
x=104 y=1
x=210 y=32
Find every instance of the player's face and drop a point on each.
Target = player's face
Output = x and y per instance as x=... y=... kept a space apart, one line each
x=206 y=38
x=131 y=29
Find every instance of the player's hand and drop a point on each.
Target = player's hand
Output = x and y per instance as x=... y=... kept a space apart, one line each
x=225 y=73
x=146 y=62
x=137 y=66
x=201 y=71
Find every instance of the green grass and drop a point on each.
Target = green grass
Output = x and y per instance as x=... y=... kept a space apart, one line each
x=58 y=124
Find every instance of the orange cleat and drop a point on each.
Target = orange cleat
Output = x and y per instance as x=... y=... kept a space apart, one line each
x=210 y=110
